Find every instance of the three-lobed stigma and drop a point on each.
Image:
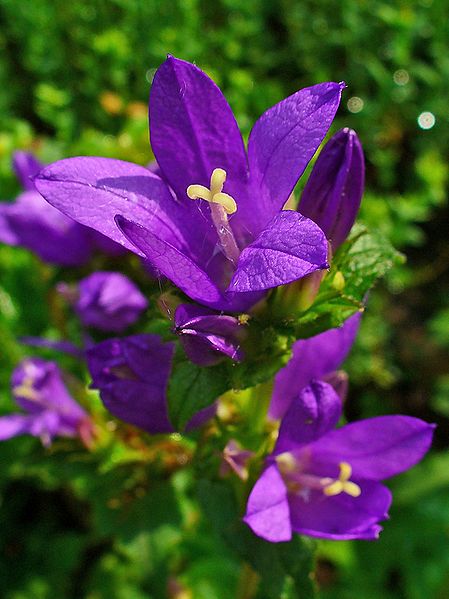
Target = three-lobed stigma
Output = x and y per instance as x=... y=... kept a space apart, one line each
x=342 y=484
x=215 y=194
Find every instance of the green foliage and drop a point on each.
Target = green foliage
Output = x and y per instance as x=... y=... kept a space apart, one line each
x=128 y=519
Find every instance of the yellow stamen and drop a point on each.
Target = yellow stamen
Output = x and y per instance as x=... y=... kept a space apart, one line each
x=343 y=484
x=214 y=194
x=26 y=390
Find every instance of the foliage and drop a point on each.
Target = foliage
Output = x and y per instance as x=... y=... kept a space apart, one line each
x=127 y=520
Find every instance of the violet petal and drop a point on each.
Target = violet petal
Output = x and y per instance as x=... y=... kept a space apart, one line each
x=314 y=412
x=267 y=512
x=334 y=190
x=376 y=448
x=289 y=248
x=283 y=141
x=312 y=358
x=341 y=517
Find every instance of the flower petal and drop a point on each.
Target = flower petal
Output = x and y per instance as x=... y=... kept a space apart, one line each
x=207 y=337
x=290 y=247
x=376 y=448
x=313 y=413
x=341 y=517
x=93 y=190
x=26 y=166
x=15 y=424
x=267 y=512
x=32 y=223
x=116 y=367
x=173 y=264
x=312 y=358
x=283 y=141
x=334 y=190
x=193 y=130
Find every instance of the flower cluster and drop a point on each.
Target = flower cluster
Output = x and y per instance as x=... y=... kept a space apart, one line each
x=211 y=218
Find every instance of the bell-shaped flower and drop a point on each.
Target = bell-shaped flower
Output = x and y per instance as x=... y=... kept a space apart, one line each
x=325 y=482
x=213 y=222
x=317 y=357
x=109 y=301
x=208 y=337
x=38 y=388
x=131 y=375
x=334 y=190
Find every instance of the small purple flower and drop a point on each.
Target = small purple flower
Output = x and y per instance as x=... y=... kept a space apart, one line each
x=208 y=337
x=316 y=357
x=326 y=483
x=33 y=223
x=231 y=243
x=235 y=459
x=109 y=301
x=132 y=376
x=38 y=389
x=334 y=190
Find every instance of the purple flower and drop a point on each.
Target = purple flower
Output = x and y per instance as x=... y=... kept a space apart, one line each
x=316 y=357
x=233 y=241
x=38 y=389
x=326 y=483
x=33 y=223
x=334 y=190
x=109 y=301
x=132 y=375
x=208 y=337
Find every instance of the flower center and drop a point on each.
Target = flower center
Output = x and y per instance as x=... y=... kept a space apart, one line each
x=26 y=390
x=342 y=484
x=300 y=482
x=221 y=205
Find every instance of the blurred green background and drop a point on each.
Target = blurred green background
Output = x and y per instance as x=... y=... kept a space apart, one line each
x=74 y=79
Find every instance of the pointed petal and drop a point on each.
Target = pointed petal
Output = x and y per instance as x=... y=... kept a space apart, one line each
x=26 y=166
x=290 y=247
x=173 y=264
x=193 y=130
x=341 y=517
x=284 y=140
x=93 y=190
x=334 y=190
x=313 y=413
x=312 y=358
x=376 y=448
x=267 y=512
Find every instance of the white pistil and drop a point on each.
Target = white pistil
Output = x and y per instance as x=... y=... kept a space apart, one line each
x=222 y=204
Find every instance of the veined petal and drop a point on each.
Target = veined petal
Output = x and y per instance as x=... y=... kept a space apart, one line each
x=289 y=248
x=312 y=358
x=341 y=517
x=93 y=190
x=172 y=263
x=193 y=130
x=314 y=412
x=26 y=166
x=283 y=141
x=334 y=190
x=267 y=511
x=376 y=448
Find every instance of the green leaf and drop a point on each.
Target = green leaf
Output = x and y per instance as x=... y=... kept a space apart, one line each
x=356 y=266
x=192 y=388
